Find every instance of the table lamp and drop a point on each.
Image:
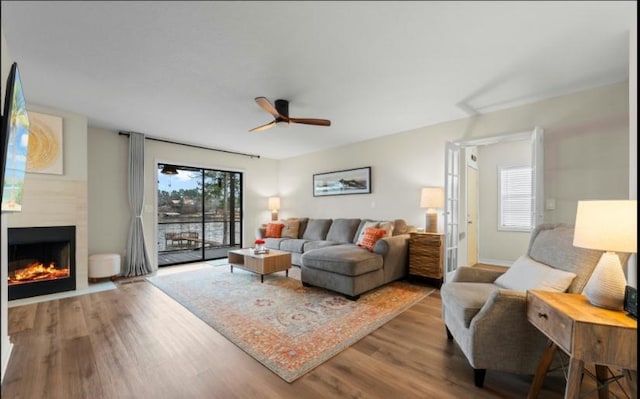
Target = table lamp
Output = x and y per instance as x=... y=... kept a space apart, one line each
x=606 y=226
x=274 y=207
x=432 y=198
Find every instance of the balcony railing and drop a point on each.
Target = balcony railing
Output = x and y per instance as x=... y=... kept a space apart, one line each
x=179 y=235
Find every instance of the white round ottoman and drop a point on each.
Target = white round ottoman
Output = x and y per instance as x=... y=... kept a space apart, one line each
x=104 y=265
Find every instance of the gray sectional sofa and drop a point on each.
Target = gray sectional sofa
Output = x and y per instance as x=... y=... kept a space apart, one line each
x=328 y=257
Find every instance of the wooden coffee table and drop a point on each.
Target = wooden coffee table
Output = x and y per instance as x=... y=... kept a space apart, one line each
x=274 y=261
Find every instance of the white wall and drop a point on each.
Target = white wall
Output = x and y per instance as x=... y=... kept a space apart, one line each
x=400 y=166
x=498 y=247
x=108 y=211
x=108 y=204
x=586 y=150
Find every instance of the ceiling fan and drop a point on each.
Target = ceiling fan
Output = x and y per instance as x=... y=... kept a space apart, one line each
x=281 y=114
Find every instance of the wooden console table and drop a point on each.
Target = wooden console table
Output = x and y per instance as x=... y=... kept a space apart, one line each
x=588 y=334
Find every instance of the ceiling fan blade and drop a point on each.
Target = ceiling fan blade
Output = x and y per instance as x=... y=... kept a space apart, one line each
x=263 y=127
x=311 y=121
x=267 y=106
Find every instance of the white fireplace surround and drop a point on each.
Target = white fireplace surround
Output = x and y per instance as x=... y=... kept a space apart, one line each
x=51 y=202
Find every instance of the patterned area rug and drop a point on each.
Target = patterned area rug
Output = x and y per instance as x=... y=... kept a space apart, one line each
x=288 y=328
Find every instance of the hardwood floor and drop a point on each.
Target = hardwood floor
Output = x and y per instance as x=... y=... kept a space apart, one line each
x=136 y=342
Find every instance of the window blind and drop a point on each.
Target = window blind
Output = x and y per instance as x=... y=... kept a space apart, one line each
x=515 y=198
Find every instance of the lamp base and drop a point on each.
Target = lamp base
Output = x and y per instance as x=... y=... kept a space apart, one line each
x=274 y=215
x=606 y=286
x=431 y=223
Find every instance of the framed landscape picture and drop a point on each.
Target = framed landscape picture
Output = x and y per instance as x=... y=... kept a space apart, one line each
x=351 y=181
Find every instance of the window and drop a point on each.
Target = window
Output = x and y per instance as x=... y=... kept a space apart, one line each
x=514 y=190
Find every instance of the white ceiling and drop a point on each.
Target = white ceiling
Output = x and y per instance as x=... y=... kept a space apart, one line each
x=189 y=71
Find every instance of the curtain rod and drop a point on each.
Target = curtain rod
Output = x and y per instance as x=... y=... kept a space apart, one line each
x=194 y=146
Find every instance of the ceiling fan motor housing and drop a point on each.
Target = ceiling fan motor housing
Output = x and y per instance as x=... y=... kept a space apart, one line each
x=282 y=106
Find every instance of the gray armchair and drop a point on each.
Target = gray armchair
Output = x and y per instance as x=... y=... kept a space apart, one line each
x=489 y=323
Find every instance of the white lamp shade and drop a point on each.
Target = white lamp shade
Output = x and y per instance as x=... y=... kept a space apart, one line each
x=274 y=203
x=606 y=226
x=432 y=197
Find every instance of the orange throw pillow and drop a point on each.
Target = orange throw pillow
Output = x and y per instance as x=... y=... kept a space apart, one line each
x=371 y=236
x=274 y=230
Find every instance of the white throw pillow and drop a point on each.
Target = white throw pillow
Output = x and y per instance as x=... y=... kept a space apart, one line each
x=388 y=226
x=527 y=274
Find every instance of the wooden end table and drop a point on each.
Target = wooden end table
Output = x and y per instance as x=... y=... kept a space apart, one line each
x=426 y=253
x=274 y=261
x=588 y=334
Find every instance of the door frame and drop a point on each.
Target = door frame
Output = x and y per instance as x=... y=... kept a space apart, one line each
x=160 y=161
x=452 y=191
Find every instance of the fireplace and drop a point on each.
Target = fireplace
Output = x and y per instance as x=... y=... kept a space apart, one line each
x=41 y=261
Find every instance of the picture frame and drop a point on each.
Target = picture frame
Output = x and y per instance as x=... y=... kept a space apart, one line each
x=45 y=144
x=343 y=182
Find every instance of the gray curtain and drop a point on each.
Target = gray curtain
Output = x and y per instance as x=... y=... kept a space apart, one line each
x=136 y=260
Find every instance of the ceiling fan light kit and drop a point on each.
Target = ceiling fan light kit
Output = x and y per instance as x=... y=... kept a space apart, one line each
x=281 y=115
x=169 y=170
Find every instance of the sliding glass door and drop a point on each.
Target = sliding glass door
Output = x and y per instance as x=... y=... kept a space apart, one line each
x=199 y=213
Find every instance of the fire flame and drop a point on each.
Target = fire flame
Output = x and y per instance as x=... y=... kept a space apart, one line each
x=37 y=272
